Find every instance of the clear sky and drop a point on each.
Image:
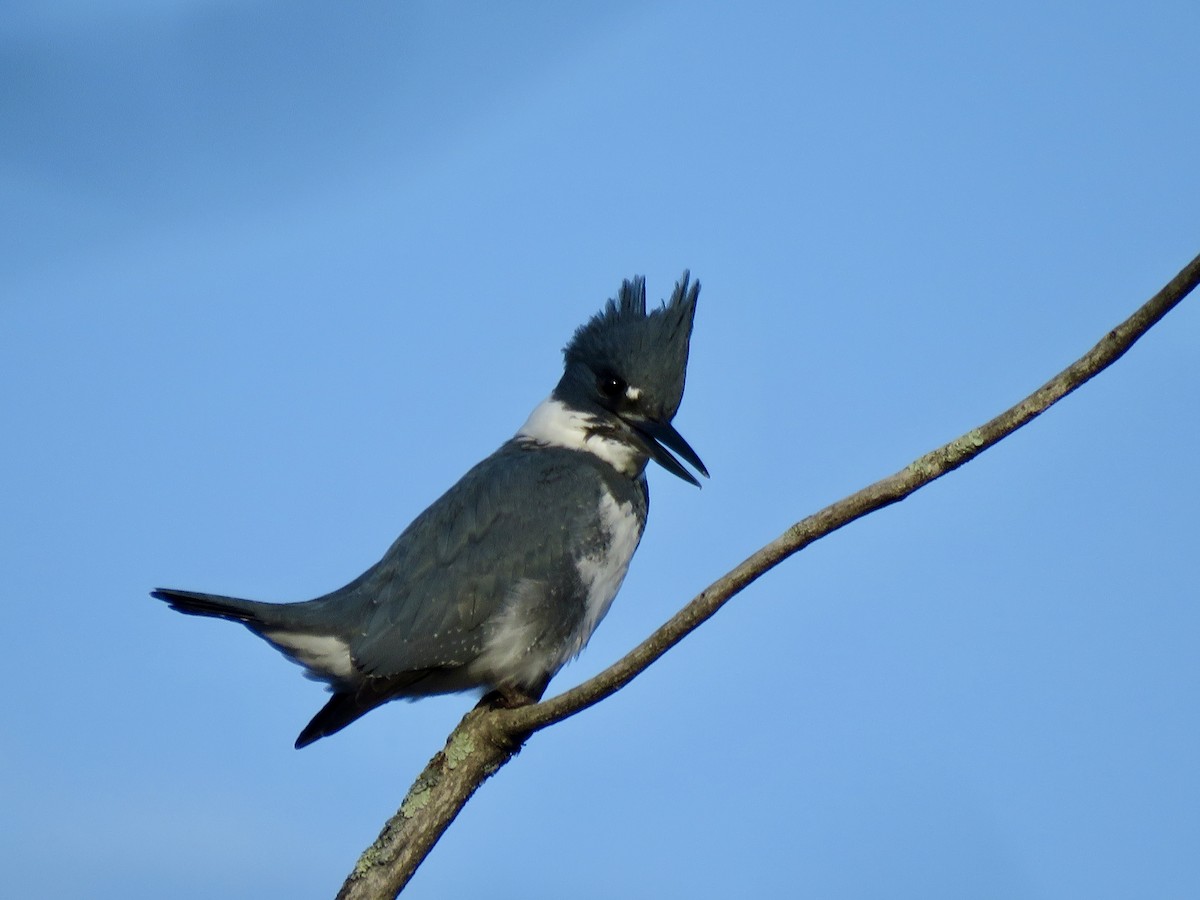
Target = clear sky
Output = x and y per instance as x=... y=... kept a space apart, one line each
x=274 y=274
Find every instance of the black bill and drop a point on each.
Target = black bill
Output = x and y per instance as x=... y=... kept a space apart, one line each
x=658 y=436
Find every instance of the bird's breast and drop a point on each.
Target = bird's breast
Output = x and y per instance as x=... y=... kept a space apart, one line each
x=570 y=569
x=602 y=569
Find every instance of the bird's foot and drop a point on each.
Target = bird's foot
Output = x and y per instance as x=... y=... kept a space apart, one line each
x=508 y=698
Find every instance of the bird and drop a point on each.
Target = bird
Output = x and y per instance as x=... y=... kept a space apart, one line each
x=504 y=578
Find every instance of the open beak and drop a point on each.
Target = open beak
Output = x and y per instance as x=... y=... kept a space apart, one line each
x=657 y=437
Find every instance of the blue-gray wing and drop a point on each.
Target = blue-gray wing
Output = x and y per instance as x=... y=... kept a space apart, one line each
x=515 y=522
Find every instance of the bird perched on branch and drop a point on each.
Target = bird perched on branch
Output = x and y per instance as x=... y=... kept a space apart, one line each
x=506 y=576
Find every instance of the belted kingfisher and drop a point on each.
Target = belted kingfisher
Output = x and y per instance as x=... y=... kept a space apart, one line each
x=503 y=580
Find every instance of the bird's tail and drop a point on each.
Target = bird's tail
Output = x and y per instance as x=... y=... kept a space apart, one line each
x=256 y=616
x=308 y=634
x=302 y=632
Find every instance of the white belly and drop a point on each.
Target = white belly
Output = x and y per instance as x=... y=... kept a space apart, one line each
x=602 y=574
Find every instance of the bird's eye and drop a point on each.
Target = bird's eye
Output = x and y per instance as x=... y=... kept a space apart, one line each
x=610 y=385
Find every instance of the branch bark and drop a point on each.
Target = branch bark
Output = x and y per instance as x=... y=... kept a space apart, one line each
x=488 y=738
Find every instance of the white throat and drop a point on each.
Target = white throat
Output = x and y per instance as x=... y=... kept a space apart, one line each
x=554 y=424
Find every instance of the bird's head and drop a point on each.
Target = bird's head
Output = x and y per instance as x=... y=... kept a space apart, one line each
x=626 y=368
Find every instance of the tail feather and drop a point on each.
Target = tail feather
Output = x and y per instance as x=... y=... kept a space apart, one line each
x=340 y=711
x=346 y=706
x=300 y=631
x=309 y=617
x=193 y=603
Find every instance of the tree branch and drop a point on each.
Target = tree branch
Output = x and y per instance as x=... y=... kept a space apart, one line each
x=488 y=738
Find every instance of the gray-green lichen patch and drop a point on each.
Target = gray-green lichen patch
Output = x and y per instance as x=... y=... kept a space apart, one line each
x=420 y=793
x=460 y=747
x=923 y=468
x=972 y=440
x=954 y=454
x=366 y=862
x=417 y=799
x=377 y=854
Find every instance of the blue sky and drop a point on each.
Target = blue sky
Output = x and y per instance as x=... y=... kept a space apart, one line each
x=276 y=274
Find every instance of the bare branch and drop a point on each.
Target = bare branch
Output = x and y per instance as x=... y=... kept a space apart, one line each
x=488 y=738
